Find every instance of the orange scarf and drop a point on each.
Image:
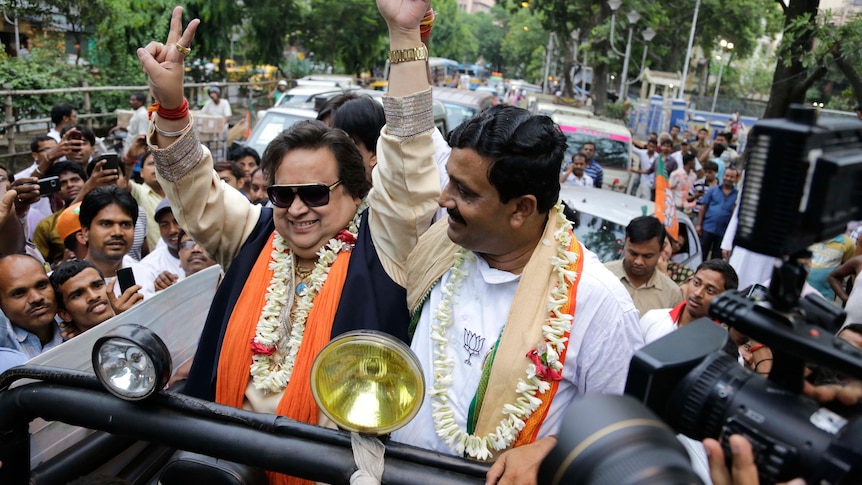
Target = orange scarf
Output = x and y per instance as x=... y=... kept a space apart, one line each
x=235 y=359
x=534 y=422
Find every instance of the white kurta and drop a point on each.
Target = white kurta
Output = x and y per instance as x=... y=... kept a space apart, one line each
x=604 y=337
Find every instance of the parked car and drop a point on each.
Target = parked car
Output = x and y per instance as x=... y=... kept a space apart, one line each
x=305 y=96
x=461 y=104
x=600 y=218
x=613 y=146
x=272 y=122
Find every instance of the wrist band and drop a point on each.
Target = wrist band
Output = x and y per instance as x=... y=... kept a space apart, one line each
x=755 y=348
x=427 y=23
x=407 y=55
x=177 y=113
x=172 y=134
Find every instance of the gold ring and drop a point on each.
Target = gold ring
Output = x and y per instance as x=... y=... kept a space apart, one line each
x=183 y=49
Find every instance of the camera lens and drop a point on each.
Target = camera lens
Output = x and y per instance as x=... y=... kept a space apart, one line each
x=699 y=404
x=615 y=440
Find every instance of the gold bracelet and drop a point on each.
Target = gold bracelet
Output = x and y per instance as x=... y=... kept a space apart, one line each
x=407 y=55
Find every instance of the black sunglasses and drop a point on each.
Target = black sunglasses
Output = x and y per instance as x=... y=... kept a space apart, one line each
x=312 y=195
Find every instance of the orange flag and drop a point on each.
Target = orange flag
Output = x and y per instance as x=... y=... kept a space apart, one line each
x=665 y=210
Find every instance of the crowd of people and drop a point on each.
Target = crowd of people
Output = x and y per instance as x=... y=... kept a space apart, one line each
x=369 y=218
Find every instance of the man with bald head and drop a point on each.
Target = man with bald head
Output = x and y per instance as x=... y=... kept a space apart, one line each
x=28 y=301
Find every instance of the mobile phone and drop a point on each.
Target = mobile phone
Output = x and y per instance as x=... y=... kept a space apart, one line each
x=758 y=292
x=75 y=135
x=126 y=278
x=112 y=161
x=49 y=185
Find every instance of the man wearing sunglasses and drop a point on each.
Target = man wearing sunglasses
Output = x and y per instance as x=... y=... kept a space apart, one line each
x=318 y=263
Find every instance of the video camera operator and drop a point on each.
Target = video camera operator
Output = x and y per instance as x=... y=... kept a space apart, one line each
x=774 y=428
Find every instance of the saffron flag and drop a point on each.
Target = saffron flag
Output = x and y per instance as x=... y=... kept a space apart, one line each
x=665 y=210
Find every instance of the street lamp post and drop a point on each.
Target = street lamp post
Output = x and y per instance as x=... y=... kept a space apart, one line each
x=688 y=51
x=633 y=17
x=724 y=45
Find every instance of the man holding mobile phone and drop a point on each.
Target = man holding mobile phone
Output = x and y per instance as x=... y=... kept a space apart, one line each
x=71 y=181
x=107 y=216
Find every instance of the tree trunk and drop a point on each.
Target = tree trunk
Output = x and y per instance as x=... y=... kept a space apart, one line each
x=599 y=86
x=785 y=85
x=852 y=76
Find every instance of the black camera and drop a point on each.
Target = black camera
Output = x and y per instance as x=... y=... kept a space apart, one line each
x=803 y=184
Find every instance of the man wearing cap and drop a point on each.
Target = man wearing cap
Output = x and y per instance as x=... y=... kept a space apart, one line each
x=69 y=230
x=215 y=106
x=278 y=92
x=162 y=265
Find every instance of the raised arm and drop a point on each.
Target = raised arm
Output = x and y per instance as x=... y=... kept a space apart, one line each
x=836 y=277
x=219 y=219
x=406 y=180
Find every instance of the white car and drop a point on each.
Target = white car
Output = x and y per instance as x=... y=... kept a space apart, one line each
x=272 y=122
x=600 y=218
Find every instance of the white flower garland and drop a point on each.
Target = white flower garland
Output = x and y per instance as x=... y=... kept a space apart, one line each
x=559 y=324
x=268 y=374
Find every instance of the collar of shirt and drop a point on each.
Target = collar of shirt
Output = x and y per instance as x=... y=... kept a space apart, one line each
x=30 y=344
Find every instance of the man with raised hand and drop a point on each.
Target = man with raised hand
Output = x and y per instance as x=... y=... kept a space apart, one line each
x=514 y=318
x=252 y=354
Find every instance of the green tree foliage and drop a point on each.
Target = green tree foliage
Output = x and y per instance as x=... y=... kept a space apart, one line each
x=452 y=37
x=345 y=34
x=218 y=18
x=268 y=29
x=813 y=47
x=489 y=32
x=524 y=46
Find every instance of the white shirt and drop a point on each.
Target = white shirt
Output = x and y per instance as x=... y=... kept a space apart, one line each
x=140 y=276
x=677 y=155
x=55 y=134
x=138 y=125
x=647 y=161
x=584 y=181
x=153 y=264
x=603 y=339
x=655 y=324
x=220 y=109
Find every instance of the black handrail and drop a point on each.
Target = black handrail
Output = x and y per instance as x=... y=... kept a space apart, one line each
x=261 y=440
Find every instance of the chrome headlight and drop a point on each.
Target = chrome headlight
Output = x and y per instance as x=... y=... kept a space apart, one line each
x=132 y=362
x=367 y=382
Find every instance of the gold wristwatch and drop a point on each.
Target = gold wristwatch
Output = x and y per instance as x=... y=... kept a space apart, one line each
x=407 y=55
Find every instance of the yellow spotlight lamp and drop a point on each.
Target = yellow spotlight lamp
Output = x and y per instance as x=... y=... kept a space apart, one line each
x=367 y=382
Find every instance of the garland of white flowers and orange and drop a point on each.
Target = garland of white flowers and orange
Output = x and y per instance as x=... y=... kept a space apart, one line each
x=537 y=379
x=267 y=374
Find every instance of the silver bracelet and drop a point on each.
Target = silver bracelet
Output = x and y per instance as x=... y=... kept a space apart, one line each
x=172 y=134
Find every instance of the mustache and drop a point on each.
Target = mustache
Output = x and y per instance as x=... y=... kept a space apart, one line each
x=93 y=305
x=455 y=216
x=37 y=305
